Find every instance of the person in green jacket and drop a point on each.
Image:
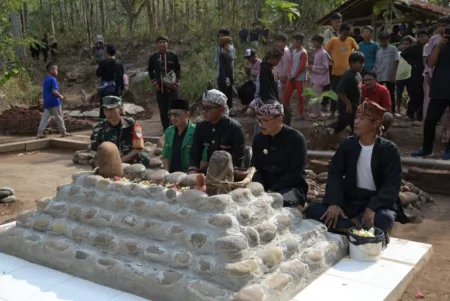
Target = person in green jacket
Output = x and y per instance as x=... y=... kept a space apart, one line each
x=178 y=138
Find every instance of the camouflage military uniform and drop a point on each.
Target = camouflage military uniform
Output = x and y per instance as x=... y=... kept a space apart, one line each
x=127 y=136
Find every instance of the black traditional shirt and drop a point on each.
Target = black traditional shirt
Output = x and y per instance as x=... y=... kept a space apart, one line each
x=342 y=187
x=160 y=64
x=280 y=160
x=227 y=135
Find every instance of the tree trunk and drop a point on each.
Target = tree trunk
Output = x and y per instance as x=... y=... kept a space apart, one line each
x=155 y=9
x=17 y=33
x=91 y=16
x=52 y=18
x=87 y=21
x=130 y=22
x=150 y=15
x=25 y=17
x=62 y=27
x=102 y=15
x=164 y=18
x=72 y=14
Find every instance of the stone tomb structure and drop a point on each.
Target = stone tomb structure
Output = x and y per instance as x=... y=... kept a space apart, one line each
x=167 y=245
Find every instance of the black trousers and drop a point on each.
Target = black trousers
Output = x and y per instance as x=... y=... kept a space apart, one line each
x=435 y=110
x=292 y=197
x=384 y=218
x=335 y=80
x=400 y=86
x=344 y=120
x=164 y=100
x=326 y=100
x=416 y=95
x=228 y=91
x=391 y=87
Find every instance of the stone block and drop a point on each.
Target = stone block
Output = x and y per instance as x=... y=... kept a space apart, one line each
x=221 y=220
x=251 y=293
x=255 y=188
x=272 y=256
x=13 y=147
x=175 y=177
x=241 y=269
x=231 y=244
x=267 y=231
x=36 y=144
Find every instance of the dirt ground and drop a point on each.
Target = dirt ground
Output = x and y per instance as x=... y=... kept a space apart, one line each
x=34 y=175
x=433 y=279
x=37 y=174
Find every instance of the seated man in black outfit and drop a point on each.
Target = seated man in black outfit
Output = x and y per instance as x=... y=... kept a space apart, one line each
x=279 y=156
x=364 y=179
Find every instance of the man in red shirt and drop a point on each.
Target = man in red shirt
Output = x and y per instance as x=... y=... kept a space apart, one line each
x=373 y=91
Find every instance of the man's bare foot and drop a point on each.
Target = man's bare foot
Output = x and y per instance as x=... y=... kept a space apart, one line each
x=41 y=136
x=65 y=134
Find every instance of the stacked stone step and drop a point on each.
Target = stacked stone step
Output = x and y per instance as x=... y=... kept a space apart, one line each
x=166 y=245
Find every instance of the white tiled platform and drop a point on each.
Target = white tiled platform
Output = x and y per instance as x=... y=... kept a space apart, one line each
x=348 y=280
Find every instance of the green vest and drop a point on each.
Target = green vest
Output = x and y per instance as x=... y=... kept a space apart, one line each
x=185 y=147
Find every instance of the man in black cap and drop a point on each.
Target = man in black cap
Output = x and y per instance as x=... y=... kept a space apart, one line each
x=164 y=71
x=120 y=130
x=179 y=137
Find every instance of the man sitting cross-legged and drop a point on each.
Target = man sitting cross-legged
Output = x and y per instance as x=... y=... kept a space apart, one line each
x=120 y=130
x=279 y=156
x=364 y=179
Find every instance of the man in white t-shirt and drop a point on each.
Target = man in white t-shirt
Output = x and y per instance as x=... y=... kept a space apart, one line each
x=364 y=179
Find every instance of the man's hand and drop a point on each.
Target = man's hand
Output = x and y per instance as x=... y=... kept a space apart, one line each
x=444 y=40
x=309 y=67
x=157 y=87
x=392 y=77
x=368 y=218
x=62 y=97
x=348 y=109
x=283 y=79
x=331 y=216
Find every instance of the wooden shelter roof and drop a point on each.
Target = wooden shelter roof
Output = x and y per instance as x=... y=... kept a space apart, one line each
x=359 y=12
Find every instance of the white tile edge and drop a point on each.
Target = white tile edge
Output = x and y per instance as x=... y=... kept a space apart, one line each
x=6 y=226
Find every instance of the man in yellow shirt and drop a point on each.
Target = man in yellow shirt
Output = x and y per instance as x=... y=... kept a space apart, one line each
x=340 y=49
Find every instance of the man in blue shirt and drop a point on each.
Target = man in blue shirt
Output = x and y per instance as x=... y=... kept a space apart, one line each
x=52 y=102
x=369 y=48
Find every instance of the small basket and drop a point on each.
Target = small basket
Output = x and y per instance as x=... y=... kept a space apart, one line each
x=366 y=248
x=224 y=187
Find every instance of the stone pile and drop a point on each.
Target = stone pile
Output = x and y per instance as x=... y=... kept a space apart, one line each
x=24 y=120
x=92 y=111
x=7 y=195
x=163 y=244
x=321 y=137
x=84 y=157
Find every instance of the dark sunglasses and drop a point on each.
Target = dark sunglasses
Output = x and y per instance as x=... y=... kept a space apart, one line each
x=209 y=108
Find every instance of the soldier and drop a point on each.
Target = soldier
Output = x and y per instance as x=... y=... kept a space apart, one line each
x=122 y=131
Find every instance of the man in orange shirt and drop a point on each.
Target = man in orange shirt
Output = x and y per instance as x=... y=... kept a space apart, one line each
x=340 y=49
x=373 y=91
